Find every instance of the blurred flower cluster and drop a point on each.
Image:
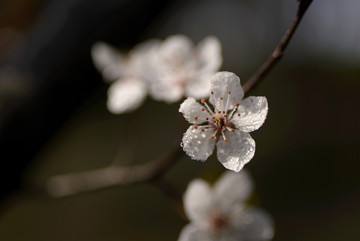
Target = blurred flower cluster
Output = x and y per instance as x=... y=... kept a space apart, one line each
x=166 y=70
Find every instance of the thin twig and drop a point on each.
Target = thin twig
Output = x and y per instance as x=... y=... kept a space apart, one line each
x=70 y=184
x=279 y=50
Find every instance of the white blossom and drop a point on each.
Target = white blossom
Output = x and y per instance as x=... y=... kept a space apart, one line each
x=179 y=68
x=127 y=73
x=220 y=214
x=226 y=125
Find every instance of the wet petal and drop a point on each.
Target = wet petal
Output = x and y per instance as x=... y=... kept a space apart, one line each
x=109 y=61
x=238 y=151
x=253 y=111
x=197 y=143
x=236 y=187
x=126 y=95
x=253 y=224
x=197 y=201
x=221 y=84
x=193 y=112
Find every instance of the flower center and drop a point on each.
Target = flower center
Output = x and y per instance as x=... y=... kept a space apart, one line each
x=220 y=120
x=218 y=222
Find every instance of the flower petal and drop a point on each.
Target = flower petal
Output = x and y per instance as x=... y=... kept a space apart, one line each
x=253 y=111
x=197 y=201
x=236 y=187
x=193 y=112
x=253 y=224
x=221 y=84
x=176 y=48
x=209 y=52
x=108 y=61
x=199 y=87
x=197 y=143
x=238 y=151
x=126 y=95
x=165 y=90
x=191 y=233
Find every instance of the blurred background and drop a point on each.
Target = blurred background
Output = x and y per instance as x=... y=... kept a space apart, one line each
x=53 y=118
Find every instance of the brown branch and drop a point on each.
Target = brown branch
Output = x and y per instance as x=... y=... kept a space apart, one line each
x=70 y=184
x=279 y=50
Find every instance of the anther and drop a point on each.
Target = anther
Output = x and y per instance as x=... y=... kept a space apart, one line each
x=195 y=117
x=203 y=101
x=237 y=104
x=212 y=92
x=229 y=93
x=202 y=109
x=223 y=112
x=219 y=112
x=212 y=137
x=195 y=126
x=221 y=98
x=207 y=118
x=225 y=140
x=239 y=114
x=202 y=130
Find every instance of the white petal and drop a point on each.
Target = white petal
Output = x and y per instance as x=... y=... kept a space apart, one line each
x=209 y=51
x=236 y=187
x=176 y=47
x=199 y=87
x=221 y=84
x=108 y=61
x=197 y=143
x=126 y=95
x=238 y=151
x=253 y=224
x=142 y=57
x=191 y=233
x=193 y=112
x=165 y=90
x=253 y=111
x=197 y=201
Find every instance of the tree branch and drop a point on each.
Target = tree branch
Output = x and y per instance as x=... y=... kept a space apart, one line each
x=70 y=184
x=280 y=48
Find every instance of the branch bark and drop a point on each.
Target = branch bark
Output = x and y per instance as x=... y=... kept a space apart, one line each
x=279 y=50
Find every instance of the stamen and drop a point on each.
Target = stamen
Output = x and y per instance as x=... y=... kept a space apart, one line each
x=207 y=107
x=202 y=109
x=195 y=117
x=213 y=135
x=225 y=140
x=234 y=110
x=195 y=127
x=227 y=102
x=230 y=129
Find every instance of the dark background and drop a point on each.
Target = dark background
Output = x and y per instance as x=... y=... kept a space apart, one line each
x=53 y=118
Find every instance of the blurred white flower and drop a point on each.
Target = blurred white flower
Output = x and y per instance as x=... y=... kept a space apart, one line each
x=227 y=125
x=219 y=213
x=181 y=69
x=128 y=74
